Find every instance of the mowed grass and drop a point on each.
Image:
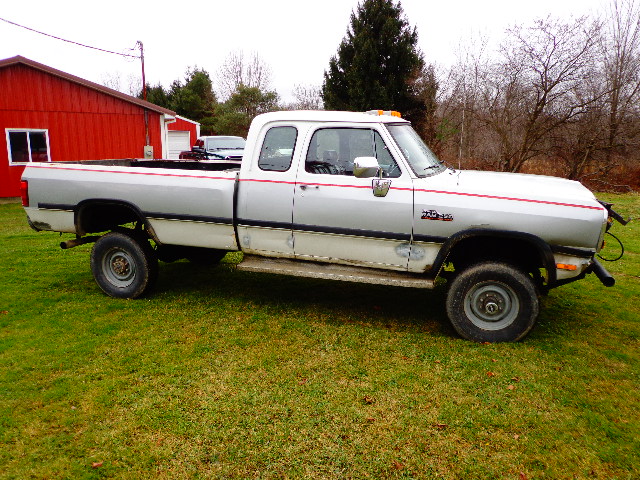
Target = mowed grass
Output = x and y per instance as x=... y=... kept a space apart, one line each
x=225 y=374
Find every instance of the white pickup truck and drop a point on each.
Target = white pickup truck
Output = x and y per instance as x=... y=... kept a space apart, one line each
x=335 y=195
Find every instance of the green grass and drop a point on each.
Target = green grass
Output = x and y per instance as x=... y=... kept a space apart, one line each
x=225 y=374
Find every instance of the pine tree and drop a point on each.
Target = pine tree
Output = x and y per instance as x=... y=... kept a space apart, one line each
x=196 y=99
x=378 y=64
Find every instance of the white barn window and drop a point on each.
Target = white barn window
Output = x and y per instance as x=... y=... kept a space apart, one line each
x=28 y=145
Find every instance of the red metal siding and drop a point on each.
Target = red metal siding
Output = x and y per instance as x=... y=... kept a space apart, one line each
x=185 y=126
x=82 y=123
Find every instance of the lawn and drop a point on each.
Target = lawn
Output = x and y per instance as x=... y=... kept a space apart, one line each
x=226 y=374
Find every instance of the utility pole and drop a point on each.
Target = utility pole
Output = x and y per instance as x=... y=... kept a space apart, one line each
x=144 y=95
x=144 y=81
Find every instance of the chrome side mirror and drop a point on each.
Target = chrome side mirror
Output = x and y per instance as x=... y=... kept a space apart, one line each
x=381 y=186
x=368 y=167
x=365 y=167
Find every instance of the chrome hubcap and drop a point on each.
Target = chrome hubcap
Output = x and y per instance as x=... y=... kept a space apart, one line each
x=491 y=305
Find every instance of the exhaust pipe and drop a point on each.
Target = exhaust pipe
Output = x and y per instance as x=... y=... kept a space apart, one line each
x=602 y=274
x=76 y=242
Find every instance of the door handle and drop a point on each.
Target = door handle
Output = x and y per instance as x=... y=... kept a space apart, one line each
x=304 y=187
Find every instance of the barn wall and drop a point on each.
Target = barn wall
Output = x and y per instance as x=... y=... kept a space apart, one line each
x=186 y=126
x=82 y=123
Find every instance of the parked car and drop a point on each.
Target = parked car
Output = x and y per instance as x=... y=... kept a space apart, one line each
x=216 y=147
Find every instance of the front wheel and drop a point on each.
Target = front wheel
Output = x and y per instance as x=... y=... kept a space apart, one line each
x=492 y=302
x=123 y=265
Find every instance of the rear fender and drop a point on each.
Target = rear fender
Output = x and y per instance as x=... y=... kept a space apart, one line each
x=100 y=215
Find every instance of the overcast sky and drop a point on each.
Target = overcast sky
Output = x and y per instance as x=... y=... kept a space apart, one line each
x=296 y=38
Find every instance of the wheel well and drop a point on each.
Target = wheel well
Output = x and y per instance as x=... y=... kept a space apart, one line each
x=101 y=216
x=519 y=252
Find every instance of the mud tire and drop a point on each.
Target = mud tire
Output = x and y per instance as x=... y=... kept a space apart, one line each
x=492 y=302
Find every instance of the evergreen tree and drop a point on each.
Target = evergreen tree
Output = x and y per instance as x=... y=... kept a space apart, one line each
x=157 y=95
x=195 y=99
x=378 y=64
x=235 y=115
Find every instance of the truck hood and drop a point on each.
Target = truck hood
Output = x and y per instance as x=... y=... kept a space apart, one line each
x=223 y=154
x=524 y=187
x=560 y=212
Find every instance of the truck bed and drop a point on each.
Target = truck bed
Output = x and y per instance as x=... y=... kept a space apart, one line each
x=187 y=203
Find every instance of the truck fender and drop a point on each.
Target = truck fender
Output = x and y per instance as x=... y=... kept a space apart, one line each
x=545 y=253
x=82 y=213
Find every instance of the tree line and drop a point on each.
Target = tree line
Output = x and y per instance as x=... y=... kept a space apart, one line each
x=556 y=96
x=243 y=84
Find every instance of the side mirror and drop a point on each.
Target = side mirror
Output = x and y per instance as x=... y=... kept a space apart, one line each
x=365 y=167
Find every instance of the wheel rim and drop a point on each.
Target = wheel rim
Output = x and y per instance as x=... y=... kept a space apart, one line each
x=119 y=267
x=491 y=305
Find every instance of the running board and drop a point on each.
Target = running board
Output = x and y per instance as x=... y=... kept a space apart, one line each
x=329 y=271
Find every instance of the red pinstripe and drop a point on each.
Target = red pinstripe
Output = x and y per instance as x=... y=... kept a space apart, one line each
x=442 y=192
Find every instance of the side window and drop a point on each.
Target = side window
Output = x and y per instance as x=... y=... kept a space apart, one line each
x=277 y=149
x=333 y=151
x=28 y=146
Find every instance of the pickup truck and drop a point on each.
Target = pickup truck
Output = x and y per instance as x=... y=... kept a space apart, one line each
x=216 y=147
x=334 y=195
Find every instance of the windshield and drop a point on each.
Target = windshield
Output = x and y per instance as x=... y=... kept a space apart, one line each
x=422 y=160
x=225 y=143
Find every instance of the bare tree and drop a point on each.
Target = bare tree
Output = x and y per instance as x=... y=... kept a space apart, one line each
x=132 y=85
x=561 y=97
x=620 y=49
x=237 y=70
x=458 y=102
x=532 y=91
x=307 y=97
x=598 y=140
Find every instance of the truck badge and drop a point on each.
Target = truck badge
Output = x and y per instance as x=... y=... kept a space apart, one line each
x=435 y=215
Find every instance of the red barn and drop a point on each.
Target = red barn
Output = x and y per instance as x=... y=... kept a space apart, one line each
x=183 y=134
x=48 y=115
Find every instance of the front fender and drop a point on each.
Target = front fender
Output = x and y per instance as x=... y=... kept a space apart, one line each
x=545 y=254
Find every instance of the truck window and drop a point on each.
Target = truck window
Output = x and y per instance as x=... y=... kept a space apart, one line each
x=277 y=149
x=422 y=160
x=333 y=150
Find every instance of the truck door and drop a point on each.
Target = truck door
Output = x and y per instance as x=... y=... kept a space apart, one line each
x=265 y=198
x=337 y=217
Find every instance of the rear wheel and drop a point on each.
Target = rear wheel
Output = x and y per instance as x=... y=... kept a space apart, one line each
x=492 y=302
x=124 y=265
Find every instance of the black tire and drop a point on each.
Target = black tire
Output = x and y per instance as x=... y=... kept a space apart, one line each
x=124 y=265
x=492 y=302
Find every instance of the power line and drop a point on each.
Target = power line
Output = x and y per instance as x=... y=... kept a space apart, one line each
x=69 y=41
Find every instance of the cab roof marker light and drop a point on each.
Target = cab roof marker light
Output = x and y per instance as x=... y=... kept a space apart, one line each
x=391 y=113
